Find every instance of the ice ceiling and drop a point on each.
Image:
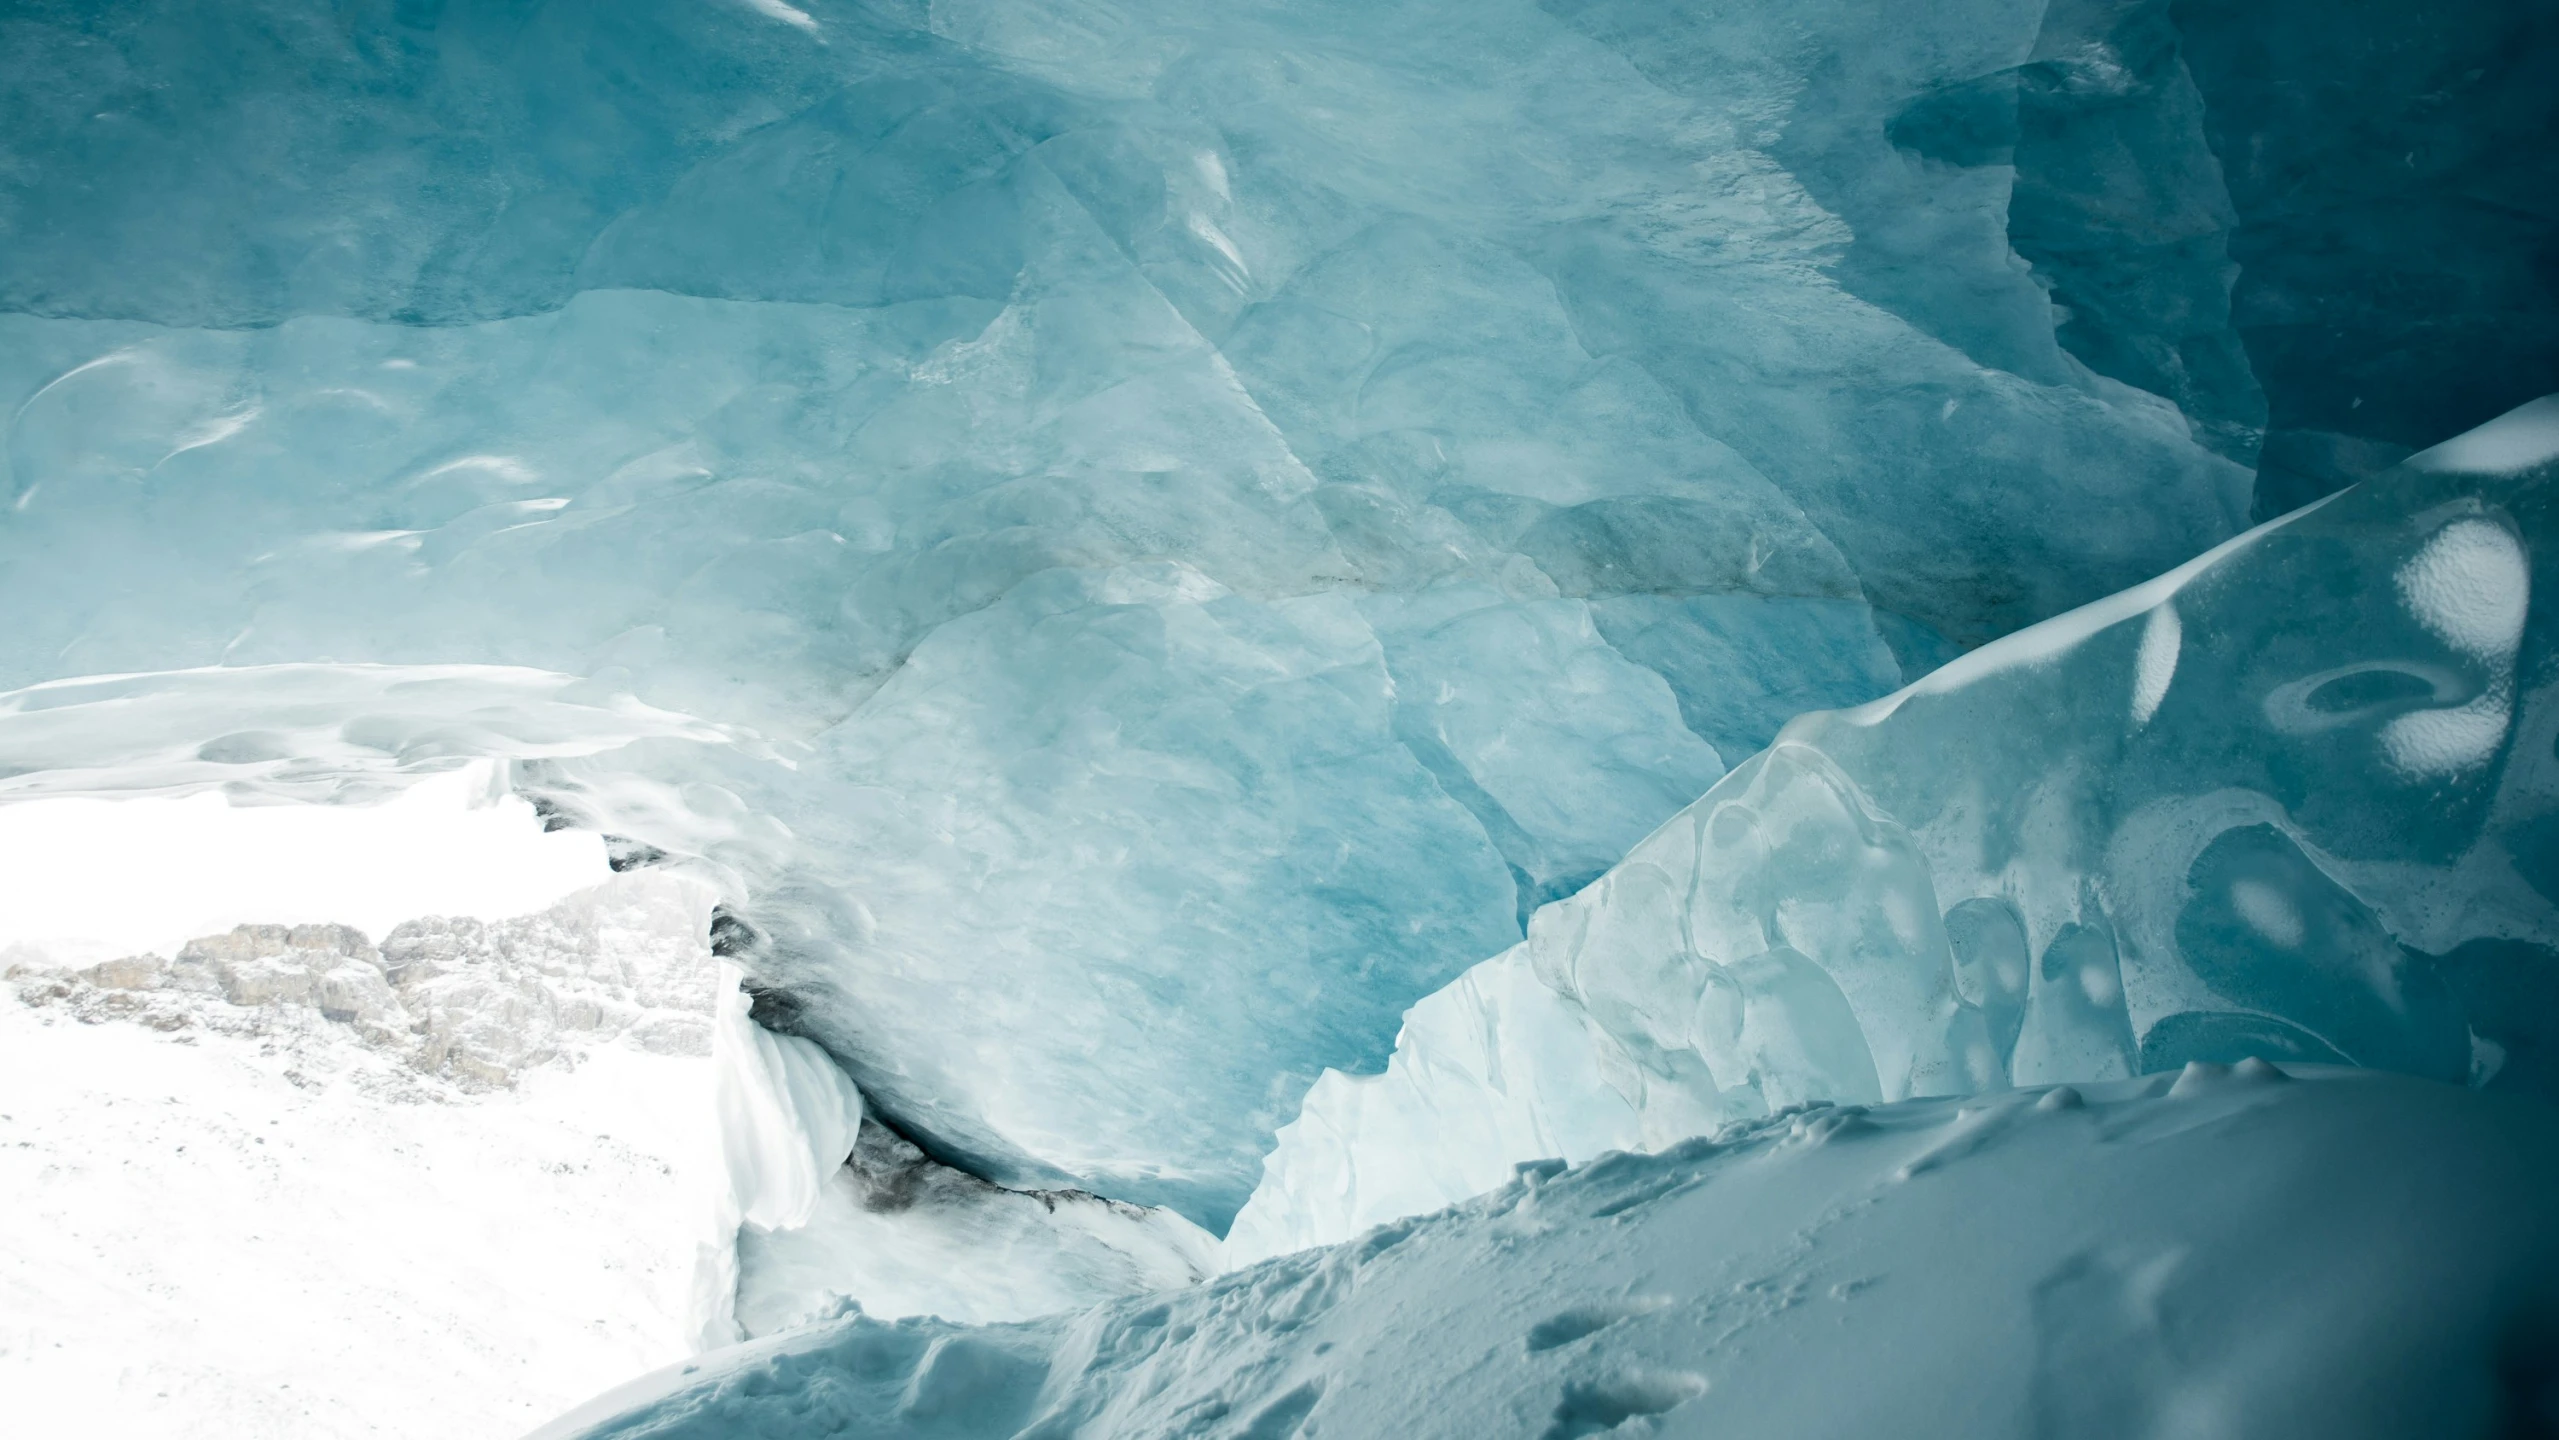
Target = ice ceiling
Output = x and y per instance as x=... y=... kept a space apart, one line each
x=1137 y=541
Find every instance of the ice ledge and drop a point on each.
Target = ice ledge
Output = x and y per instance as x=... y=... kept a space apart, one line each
x=2283 y=801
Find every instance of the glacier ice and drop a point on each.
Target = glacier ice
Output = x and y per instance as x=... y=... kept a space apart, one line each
x=2128 y=1257
x=1133 y=545
x=1166 y=538
x=2381 y=294
x=2292 y=799
x=785 y=1118
x=821 y=1208
x=895 y=1234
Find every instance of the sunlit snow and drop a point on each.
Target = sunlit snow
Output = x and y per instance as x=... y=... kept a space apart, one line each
x=112 y=877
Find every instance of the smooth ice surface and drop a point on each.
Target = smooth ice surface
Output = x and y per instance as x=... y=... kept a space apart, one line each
x=2382 y=205
x=2296 y=799
x=787 y=1117
x=2224 y=1252
x=1137 y=543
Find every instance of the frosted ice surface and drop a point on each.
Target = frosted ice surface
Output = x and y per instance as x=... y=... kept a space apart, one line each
x=1895 y=1270
x=2308 y=816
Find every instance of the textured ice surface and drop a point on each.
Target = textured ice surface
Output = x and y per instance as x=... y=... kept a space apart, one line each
x=1174 y=530
x=2228 y=1253
x=822 y=1209
x=786 y=1118
x=2295 y=799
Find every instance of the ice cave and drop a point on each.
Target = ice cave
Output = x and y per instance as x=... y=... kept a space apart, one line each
x=1272 y=719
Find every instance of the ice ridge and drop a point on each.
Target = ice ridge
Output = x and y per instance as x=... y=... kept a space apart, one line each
x=2305 y=816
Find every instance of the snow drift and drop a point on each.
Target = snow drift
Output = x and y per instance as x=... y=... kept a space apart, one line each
x=2224 y=1252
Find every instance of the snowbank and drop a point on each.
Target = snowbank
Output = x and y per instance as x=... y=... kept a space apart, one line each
x=2224 y=1252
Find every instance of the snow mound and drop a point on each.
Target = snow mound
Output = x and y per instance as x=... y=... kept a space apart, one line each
x=2234 y=1252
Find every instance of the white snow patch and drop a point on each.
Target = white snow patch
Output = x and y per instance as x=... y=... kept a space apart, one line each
x=1955 y=1270
x=226 y=1238
x=2446 y=742
x=787 y=14
x=2472 y=586
x=2514 y=442
x=2268 y=911
x=2155 y=664
x=150 y=872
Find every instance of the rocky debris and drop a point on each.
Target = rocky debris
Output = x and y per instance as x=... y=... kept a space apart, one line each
x=471 y=1001
x=133 y=972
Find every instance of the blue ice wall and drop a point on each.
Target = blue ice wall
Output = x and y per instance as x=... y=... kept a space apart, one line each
x=1211 y=515
x=2389 y=169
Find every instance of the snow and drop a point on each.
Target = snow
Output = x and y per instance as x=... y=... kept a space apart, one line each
x=896 y=1234
x=2472 y=585
x=2155 y=665
x=236 y=1236
x=2228 y=1251
x=214 y=864
x=605 y=1136
x=2524 y=438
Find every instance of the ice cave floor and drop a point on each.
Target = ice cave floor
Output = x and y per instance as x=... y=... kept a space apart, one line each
x=2243 y=1251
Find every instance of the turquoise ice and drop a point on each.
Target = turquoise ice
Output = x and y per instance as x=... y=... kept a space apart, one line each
x=1137 y=541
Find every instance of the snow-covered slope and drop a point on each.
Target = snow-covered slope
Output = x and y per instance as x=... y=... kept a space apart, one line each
x=290 y=1184
x=261 y=1224
x=2221 y=1253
